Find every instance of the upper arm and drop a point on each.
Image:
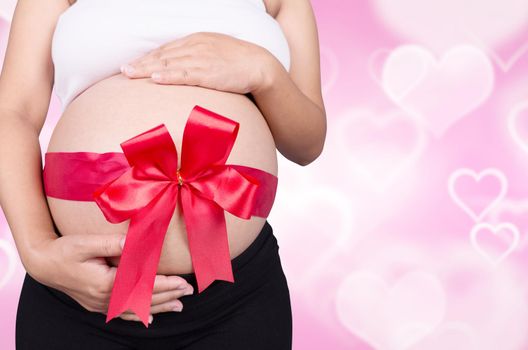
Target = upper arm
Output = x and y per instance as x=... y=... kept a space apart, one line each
x=26 y=79
x=297 y=21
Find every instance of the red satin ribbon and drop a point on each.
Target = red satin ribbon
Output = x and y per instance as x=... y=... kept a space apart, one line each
x=148 y=189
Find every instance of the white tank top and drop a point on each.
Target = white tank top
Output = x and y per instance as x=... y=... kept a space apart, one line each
x=93 y=38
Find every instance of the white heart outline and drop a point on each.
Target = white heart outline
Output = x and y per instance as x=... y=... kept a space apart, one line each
x=510 y=206
x=511 y=124
x=472 y=173
x=478 y=227
x=437 y=61
x=504 y=64
x=422 y=53
x=371 y=64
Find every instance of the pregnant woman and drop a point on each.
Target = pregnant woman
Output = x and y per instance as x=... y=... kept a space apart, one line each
x=143 y=83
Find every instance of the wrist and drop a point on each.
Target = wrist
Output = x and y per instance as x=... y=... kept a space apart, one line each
x=268 y=73
x=36 y=260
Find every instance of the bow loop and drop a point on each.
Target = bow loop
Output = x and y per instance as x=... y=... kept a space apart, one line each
x=153 y=159
x=232 y=190
x=209 y=151
x=152 y=154
x=127 y=195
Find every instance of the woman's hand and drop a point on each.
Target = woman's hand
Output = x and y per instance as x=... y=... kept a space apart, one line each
x=76 y=265
x=212 y=60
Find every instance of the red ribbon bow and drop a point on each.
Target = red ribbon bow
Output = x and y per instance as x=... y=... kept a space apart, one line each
x=147 y=194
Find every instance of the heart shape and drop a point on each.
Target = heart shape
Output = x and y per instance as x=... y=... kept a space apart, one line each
x=515 y=212
x=518 y=124
x=504 y=58
x=491 y=173
x=477 y=230
x=439 y=92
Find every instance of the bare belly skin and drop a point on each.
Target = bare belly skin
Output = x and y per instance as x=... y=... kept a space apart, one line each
x=118 y=108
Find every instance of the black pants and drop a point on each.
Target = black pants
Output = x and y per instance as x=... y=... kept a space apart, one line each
x=252 y=313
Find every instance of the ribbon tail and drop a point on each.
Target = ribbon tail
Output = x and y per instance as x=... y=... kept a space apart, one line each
x=207 y=235
x=134 y=280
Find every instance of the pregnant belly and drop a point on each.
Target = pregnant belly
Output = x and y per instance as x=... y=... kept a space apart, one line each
x=118 y=108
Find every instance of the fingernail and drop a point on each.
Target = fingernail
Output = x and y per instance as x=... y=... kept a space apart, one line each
x=189 y=291
x=122 y=242
x=151 y=318
x=128 y=69
x=155 y=75
x=178 y=308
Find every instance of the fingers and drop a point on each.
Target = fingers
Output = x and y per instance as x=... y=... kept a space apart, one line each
x=106 y=285
x=167 y=301
x=134 y=317
x=165 y=286
x=174 y=305
x=163 y=283
x=160 y=298
x=98 y=245
x=130 y=316
x=89 y=304
x=145 y=68
x=170 y=306
x=183 y=76
x=168 y=289
x=161 y=54
x=179 y=44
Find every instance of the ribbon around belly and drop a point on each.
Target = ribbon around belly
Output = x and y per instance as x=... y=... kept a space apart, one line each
x=153 y=186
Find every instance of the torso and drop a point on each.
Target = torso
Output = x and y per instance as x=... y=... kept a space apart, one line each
x=117 y=108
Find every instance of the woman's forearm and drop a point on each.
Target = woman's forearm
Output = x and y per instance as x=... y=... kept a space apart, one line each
x=297 y=123
x=22 y=196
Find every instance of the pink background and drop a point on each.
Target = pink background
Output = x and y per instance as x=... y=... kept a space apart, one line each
x=410 y=230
